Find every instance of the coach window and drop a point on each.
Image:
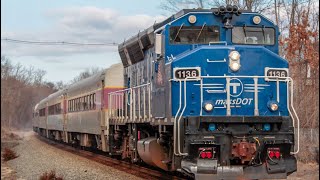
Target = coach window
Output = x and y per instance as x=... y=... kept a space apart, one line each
x=50 y=110
x=81 y=103
x=78 y=104
x=42 y=112
x=53 y=109
x=253 y=35
x=194 y=34
x=85 y=102
x=75 y=104
x=94 y=100
x=90 y=101
x=57 y=108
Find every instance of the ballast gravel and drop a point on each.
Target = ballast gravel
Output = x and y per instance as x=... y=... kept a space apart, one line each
x=37 y=157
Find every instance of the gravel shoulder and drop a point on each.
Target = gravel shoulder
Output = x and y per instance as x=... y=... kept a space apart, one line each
x=308 y=171
x=37 y=157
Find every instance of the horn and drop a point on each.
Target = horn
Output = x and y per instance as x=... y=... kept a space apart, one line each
x=216 y=11
x=222 y=9
x=229 y=8
x=235 y=9
x=238 y=12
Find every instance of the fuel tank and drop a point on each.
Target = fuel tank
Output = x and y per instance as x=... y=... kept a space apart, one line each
x=152 y=153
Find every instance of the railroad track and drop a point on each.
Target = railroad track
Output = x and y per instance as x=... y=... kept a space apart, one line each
x=139 y=171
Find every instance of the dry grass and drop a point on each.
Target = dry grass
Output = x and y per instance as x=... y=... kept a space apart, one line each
x=309 y=150
x=307 y=155
x=7 y=135
x=50 y=176
x=9 y=154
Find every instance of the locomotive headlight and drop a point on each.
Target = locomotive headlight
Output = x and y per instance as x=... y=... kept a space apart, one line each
x=234 y=62
x=234 y=56
x=273 y=105
x=256 y=20
x=192 y=19
x=234 y=66
x=208 y=107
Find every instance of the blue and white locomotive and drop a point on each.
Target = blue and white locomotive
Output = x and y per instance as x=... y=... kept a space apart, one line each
x=204 y=92
x=220 y=95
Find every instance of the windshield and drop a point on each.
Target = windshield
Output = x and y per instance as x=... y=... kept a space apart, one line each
x=253 y=35
x=194 y=34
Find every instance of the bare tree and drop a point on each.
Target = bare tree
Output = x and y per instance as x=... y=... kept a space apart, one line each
x=174 y=6
x=86 y=73
x=21 y=89
x=60 y=85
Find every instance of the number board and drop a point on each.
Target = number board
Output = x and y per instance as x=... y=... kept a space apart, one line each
x=189 y=72
x=275 y=73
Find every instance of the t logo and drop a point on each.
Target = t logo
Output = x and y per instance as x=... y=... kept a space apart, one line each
x=236 y=87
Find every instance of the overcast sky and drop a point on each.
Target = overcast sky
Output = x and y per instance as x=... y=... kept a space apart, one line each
x=83 y=21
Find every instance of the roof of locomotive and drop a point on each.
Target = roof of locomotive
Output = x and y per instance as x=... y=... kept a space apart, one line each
x=132 y=49
x=164 y=22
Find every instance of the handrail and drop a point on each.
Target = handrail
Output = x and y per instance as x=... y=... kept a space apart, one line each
x=298 y=120
x=175 y=122
x=180 y=116
x=121 y=113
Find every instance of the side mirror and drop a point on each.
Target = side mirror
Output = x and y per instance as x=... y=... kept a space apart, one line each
x=158 y=45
